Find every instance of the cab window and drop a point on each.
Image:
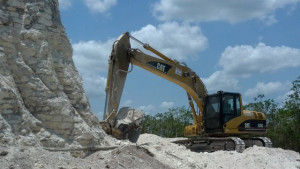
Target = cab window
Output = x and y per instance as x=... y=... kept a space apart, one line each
x=231 y=107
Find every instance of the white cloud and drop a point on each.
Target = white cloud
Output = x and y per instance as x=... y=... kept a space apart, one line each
x=91 y=60
x=230 y=10
x=94 y=85
x=127 y=103
x=166 y=105
x=91 y=57
x=64 y=4
x=100 y=6
x=267 y=88
x=219 y=80
x=177 y=41
x=245 y=60
x=147 y=109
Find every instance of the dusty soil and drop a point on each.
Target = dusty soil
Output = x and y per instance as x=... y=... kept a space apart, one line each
x=255 y=157
x=129 y=156
x=150 y=151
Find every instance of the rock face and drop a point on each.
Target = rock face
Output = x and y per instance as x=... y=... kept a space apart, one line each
x=42 y=101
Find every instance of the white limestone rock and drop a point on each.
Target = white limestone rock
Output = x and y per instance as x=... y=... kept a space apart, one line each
x=42 y=101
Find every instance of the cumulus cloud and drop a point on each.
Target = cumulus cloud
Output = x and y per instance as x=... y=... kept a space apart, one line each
x=153 y=109
x=220 y=80
x=94 y=85
x=91 y=60
x=127 y=103
x=100 y=6
x=147 y=109
x=175 y=40
x=64 y=4
x=245 y=60
x=91 y=57
x=267 y=88
x=232 y=10
x=166 y=105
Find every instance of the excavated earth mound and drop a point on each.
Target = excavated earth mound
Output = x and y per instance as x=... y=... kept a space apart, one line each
x=255 y=157
x=151 y=151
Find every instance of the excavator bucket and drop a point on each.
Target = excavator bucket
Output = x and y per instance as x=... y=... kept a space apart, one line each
x=127 y=123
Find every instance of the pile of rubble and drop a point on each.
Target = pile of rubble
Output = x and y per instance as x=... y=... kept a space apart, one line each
x=255 y=157
x=150 y=152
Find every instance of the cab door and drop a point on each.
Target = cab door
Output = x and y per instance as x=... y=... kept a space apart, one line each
x=230 y=107
x=212 y=114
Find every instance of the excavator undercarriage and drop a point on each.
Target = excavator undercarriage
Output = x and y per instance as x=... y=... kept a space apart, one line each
x=211 y=144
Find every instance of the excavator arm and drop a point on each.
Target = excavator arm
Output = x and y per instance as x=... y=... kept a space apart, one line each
x=122 y=56
x=127 y=122
x=174 y=72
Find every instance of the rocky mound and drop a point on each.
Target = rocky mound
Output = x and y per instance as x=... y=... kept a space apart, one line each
x=150 y=152
x=255 y=157
x=42 y=101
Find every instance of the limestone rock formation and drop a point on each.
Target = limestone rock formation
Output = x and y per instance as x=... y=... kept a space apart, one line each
x=42 y=101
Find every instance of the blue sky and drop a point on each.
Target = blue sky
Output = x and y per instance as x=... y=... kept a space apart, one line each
x=250 y=46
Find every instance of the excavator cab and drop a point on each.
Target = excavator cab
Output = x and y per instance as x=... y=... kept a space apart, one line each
x=219 y=109
x=223 y=115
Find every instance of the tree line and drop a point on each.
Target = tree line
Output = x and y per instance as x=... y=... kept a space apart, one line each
x=168 y=124
x=283 y=120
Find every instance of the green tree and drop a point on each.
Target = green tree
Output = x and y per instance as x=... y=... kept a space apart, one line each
x=289 y=118
x=168 y=124
x=283 y=122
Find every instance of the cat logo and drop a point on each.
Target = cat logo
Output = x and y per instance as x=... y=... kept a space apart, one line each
x=160 y=66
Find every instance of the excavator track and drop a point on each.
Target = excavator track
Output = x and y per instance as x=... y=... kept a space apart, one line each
x=211 y=144
x=258 y=141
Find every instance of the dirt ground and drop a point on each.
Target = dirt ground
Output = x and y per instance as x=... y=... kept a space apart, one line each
x=150 y=151
x=129 y=156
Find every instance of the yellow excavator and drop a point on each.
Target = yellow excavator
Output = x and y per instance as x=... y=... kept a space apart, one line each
x=220 y=123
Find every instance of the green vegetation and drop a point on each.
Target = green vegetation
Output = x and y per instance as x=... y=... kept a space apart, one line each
x=168 y=124
x=283 y=120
